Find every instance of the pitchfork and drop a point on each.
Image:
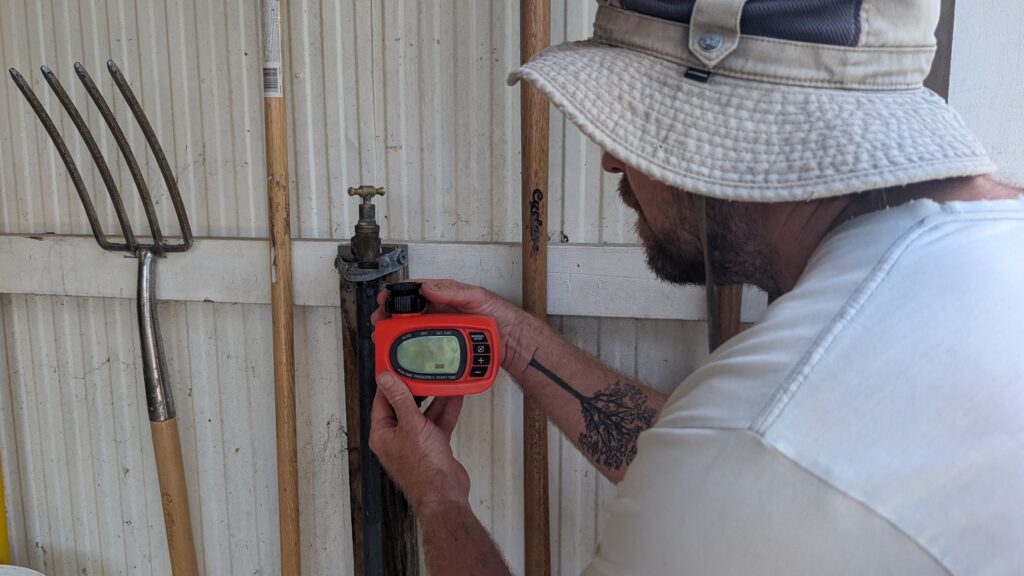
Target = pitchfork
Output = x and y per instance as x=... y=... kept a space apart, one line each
x=163 y=425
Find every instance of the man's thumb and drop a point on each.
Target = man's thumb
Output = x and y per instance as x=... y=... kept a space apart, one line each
x=398 y=396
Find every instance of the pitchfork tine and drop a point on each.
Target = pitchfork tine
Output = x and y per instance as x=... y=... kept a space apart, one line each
x=127 y=154
x=69 y=162
x=158 y=152
x=97 y=156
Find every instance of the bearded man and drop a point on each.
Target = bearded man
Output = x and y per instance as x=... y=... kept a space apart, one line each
x=870 y=422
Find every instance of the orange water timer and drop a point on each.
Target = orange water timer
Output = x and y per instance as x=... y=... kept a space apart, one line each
x=435 y=354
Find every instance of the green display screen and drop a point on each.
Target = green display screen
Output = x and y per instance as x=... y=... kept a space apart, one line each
x=430 y=355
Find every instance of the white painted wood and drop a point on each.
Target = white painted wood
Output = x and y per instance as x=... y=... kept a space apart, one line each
x=583 y=280
x=35 y=519
x=505 y=471
x=260 y=436
x=234 y=373
x=211 y=495
x=48 y=409
x=10 y=446
x=76 y=422
x=322 y=436
x=987 y=79
x=97 y=376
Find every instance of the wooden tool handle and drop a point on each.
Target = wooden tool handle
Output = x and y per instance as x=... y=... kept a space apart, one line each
x=281 y=301
x=535 y=35
x=730 y=303
x=174 y=497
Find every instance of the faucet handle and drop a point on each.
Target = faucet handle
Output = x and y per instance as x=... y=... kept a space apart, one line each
x=366 y=192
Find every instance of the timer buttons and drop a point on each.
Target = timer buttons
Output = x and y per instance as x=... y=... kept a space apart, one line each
x=481 y=354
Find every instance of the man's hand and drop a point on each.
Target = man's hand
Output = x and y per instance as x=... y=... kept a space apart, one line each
x=451 y=297
x=415 y=447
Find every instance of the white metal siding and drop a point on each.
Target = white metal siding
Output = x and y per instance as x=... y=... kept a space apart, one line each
x=409 y=95
x=80 y=472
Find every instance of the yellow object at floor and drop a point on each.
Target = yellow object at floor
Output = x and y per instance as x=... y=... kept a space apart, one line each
x=5 y=553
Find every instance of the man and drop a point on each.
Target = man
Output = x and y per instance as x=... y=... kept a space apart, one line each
x=870 y=422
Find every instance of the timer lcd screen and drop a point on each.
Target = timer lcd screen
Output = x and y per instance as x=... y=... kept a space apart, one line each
x=430 y=355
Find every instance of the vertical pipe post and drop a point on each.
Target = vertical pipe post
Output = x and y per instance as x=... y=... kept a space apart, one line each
x=276 y=140
x=384 y=538
x=535 y=35
x=730 y=301
x=370 y=470
x=383 y=527
x=938 y=79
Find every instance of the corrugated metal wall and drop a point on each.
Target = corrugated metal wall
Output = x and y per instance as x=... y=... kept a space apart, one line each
x=79 y=468
x=409 y=95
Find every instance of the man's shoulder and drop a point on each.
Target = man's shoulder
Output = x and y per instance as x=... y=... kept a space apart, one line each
x=943 y=269
x=892 y=373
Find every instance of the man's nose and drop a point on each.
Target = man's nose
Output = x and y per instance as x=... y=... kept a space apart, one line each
x=611 y=164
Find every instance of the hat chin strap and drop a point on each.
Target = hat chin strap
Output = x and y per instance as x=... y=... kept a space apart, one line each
x=710 y=288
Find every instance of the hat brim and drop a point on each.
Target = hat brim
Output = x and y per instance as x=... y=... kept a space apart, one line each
x=752 y=141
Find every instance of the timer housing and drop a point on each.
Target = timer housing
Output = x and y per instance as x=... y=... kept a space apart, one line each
x=435 y=354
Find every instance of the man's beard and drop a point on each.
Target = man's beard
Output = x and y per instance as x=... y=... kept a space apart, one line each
x=677 y=255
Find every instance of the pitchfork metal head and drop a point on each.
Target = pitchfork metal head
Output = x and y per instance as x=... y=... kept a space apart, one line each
x=159 y=244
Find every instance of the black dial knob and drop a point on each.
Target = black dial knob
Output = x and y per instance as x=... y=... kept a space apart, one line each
x=405 y=298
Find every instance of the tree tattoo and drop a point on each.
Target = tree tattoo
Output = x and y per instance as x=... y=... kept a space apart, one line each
x=613 y=418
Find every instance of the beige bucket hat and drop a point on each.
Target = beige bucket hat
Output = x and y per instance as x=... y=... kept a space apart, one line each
x=763 y=100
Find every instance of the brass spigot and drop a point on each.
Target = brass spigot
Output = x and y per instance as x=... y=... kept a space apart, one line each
x=366 y=242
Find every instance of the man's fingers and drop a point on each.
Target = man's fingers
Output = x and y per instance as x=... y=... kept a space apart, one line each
x=436 y=408
x=444 y=412
x=450 y=417
x=450 y=292
x=381 y=413
x=399 y=397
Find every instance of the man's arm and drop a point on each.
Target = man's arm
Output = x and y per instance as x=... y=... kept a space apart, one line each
x=415 y=449
x=601 y=411
x=456 y=543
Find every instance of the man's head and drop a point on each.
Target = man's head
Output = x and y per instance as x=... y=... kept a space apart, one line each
x=756 y=101
x=762 y=244
x=776 y=117
x=668 y=226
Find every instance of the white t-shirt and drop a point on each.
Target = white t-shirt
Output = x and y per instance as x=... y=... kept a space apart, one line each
x=871 y=423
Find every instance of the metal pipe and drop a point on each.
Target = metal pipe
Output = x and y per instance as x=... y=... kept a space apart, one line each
x=373 y=532
x=383 y=527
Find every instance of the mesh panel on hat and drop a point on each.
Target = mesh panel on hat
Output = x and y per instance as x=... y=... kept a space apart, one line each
x=834 y=22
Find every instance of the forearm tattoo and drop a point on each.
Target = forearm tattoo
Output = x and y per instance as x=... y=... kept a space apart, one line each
x=613 y=418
